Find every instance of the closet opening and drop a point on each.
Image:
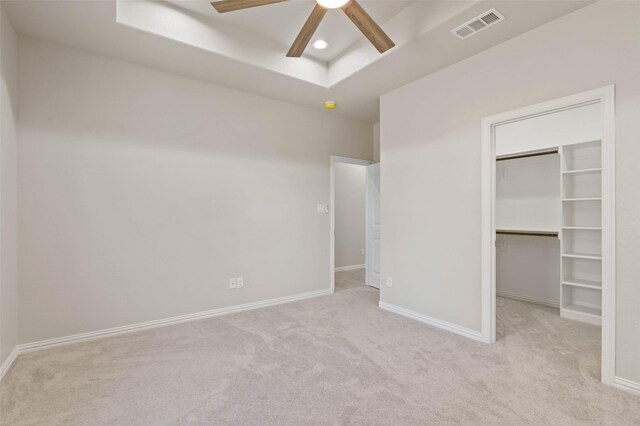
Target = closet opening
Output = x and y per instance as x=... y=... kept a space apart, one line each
x=548 y=224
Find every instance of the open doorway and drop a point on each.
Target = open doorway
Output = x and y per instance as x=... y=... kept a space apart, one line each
x=548 y=224
x=354 y=227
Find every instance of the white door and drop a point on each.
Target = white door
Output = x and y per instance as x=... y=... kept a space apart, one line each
x=372 y=259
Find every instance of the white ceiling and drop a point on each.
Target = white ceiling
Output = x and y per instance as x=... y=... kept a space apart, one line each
x=281 y=22
x=246 y=50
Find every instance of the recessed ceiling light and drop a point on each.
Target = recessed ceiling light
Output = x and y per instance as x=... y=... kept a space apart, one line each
x=332 y=4
x=320 y=44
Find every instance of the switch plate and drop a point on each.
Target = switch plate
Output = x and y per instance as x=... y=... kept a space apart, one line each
x=239 y=282
x=232 y=283
x=389 y=282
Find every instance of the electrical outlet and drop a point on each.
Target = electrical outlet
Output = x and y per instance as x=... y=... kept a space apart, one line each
x=323 y=208
x=232 y=283
x=362 y=252
x=239 y=282
x=389 y=282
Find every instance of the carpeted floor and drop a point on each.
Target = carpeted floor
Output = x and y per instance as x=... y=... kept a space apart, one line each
x=330 y=360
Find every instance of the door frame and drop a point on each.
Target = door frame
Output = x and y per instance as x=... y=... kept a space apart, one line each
x=369 y=216
x=606 y=97
x=332 y=211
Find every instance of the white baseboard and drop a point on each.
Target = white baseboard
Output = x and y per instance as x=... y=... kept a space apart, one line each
x=43 y=344
x=466 y=332
x=6 y=365
x=581 y=316
x=626 y=385
x=529 y=299
x=348 y=268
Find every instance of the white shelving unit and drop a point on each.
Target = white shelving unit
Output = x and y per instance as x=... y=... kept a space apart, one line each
x=583 y=171
x=585 y=228
x=581 y=232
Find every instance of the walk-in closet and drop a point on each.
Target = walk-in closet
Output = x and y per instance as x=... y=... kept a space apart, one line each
x=548 y=211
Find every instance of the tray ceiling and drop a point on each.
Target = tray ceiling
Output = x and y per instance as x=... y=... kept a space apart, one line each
x=246 y=50
x=281 y=22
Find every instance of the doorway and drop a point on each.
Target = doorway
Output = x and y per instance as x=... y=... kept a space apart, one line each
x=586 y=196
x=352 y=243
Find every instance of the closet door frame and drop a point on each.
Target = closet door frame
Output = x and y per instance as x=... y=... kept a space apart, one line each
x=606 y=97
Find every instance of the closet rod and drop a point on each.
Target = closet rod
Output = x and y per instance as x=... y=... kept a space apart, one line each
x=529 y=233
x=533 y=154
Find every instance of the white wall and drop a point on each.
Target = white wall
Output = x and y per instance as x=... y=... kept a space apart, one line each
x=430 y=156
x=528 y=268
x=350 y=185
x=8 y=188
x=142 y=193
x=528 y=193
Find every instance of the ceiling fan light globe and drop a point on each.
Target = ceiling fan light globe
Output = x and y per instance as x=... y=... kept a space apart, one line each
x=332 y=4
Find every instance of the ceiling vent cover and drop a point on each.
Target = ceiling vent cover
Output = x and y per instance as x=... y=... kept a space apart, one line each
x=477 y=24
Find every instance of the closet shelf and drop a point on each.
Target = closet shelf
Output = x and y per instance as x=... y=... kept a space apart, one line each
x=582 y=171
x=583 y=199
x=528 y=232
x=574 y=282
x=527 y=154
x=582 y=256
x=586 y=228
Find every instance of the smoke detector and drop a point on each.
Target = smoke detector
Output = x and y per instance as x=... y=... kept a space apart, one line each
x=477 y=24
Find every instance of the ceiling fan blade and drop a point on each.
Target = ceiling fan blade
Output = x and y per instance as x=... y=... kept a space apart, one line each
x=232 y=5
x=306 y=32
x=368 y=26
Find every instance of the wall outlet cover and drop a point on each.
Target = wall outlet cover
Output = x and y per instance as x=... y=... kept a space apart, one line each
x=232 y=283
x=389 y=282
x=239 y=282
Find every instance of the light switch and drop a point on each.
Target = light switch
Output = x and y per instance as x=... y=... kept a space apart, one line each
x=323 y=208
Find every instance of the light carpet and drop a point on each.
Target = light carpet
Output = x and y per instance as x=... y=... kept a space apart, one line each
x=336 y=359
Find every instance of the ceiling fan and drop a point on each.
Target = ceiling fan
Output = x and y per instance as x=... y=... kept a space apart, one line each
x=351 y=8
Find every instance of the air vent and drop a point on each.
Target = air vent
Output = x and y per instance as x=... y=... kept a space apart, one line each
x=477 y=24
x=490 y=18
x=464 y=31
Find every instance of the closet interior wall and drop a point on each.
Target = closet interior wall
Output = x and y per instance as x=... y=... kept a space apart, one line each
x=528 y=217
